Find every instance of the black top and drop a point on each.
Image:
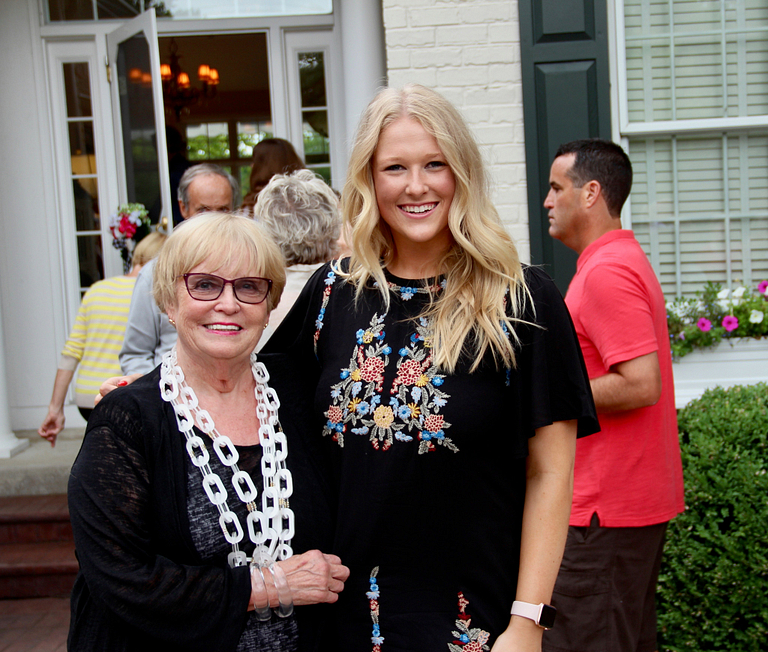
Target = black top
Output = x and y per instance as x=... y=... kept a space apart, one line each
x=143 y=582
x=430 y=467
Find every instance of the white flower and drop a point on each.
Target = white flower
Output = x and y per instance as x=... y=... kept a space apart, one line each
x=724 y=304
x=739 y=292
x=723 y=294
x=756 y=317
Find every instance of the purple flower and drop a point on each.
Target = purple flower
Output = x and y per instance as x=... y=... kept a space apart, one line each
x=682 y=335
x=730 y=323
x=762 y=287
x=704 y=324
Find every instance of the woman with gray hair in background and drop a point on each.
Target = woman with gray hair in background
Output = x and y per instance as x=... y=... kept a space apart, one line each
x=301 y=212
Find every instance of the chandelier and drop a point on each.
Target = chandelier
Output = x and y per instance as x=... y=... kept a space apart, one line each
x=178 y=91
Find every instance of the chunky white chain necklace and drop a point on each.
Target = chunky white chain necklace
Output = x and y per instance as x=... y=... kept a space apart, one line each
x=270 y=528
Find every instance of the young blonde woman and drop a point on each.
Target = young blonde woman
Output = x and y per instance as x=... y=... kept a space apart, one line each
x=450 y=390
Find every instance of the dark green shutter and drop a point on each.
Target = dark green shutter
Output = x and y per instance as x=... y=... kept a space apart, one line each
x=564 y=53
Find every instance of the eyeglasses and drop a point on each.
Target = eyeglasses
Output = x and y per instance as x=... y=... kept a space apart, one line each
x=207 y=287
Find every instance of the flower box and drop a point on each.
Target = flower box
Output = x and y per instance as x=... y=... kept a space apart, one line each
x=732 y=362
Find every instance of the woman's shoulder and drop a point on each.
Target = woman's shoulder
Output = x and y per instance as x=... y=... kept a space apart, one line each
x=132 y=404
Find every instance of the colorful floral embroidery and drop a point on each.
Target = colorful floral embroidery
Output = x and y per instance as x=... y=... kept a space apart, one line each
x=373 y=600
x=329 y=281
x=416 y=397
x=466 y=639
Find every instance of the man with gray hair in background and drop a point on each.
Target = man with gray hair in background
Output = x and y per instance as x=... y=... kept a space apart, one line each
x=204 y=187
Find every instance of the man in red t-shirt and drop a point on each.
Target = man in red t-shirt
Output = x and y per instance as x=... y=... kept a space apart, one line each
x=628 y=480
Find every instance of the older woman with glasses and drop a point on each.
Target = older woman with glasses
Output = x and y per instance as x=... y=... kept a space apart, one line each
x=194 y=494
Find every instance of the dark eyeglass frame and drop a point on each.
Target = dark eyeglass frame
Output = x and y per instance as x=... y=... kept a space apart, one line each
x=224 y=282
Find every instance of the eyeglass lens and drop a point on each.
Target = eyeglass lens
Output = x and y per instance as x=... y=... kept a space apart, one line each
x=207 y=287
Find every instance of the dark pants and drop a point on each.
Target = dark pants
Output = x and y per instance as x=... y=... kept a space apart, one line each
x=605 y=593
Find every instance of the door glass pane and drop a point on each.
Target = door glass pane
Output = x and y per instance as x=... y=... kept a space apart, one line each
x=138 y=125
x=77 y=86
x=90 y=255
x=312 y=79
x=316 y=144
x=81 y=147
x=86 y=194
x=70 y=10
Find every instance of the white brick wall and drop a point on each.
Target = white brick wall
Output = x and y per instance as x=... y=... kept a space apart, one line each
x=469 y=50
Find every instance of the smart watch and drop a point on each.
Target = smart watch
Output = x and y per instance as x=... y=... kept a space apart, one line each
x=542 y=614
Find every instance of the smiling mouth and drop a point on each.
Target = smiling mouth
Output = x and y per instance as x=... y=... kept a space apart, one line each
x=418 y=210
x=223 y=327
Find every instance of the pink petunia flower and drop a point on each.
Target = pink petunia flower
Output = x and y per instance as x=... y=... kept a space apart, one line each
x=730 y=323
x=762 y=287
x=704 y=324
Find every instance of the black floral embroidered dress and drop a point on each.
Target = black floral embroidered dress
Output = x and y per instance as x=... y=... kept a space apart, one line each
x=429 y=467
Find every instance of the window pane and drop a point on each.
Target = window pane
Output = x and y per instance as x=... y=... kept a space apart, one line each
x=316 y=143
x=241 y=8
x=70 y=10
x=312 y=79
x=81 y=148
x=119 y=8
x=86 y=196
x=139 y=128
x=249 y=134
x=208 y=141
x=78 y=90
x=324 y=171
x=91 y=259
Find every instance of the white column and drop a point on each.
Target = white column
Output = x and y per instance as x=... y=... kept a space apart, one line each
x=9 y=443
x=363 y=54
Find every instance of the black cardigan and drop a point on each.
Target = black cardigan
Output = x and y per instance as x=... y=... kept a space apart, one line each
x=142 y=586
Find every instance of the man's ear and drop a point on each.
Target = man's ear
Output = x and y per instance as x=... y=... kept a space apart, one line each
x=183 y=209
x=592 y=191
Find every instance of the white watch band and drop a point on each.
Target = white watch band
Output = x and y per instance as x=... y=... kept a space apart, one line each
x=542 y=614
x=526 y=610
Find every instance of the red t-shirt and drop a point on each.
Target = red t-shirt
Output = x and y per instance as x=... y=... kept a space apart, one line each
x=630 y=473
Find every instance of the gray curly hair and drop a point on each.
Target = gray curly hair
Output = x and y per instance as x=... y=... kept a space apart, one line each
x=302 y=214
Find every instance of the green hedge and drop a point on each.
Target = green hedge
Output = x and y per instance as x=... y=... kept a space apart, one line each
x=713 y=585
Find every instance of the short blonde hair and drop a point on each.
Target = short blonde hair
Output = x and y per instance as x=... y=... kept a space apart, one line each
x=483 y=264
x=149 y=246
x=224 y=240
x=301 y=212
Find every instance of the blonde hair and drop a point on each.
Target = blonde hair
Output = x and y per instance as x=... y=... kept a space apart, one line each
x=224 y=240
x=468 y=316
x=301 y=212
x=149 y=246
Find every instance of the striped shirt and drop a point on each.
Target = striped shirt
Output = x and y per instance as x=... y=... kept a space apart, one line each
x=97 y=336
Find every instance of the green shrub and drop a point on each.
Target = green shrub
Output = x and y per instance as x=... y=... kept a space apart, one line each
x=713 y=585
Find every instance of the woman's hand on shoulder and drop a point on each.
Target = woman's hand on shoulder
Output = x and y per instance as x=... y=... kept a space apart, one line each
x=315 y=577
x=113 y=383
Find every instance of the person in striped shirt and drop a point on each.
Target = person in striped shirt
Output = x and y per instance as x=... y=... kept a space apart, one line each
x=95 y=341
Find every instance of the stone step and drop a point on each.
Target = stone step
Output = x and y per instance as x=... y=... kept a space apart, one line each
x=32 y=519
x=37 y=554
x=35 y=570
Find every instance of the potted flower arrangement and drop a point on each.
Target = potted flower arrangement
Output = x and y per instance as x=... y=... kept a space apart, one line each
x=717 y=314
x=719 y=338
x=128 y=226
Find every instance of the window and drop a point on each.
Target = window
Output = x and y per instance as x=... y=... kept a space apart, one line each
x=61 y=10
x=228 y=144
x=694 y=112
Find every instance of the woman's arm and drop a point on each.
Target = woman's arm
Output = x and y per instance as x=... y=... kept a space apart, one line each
x=53 y=423
x=549 y=490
